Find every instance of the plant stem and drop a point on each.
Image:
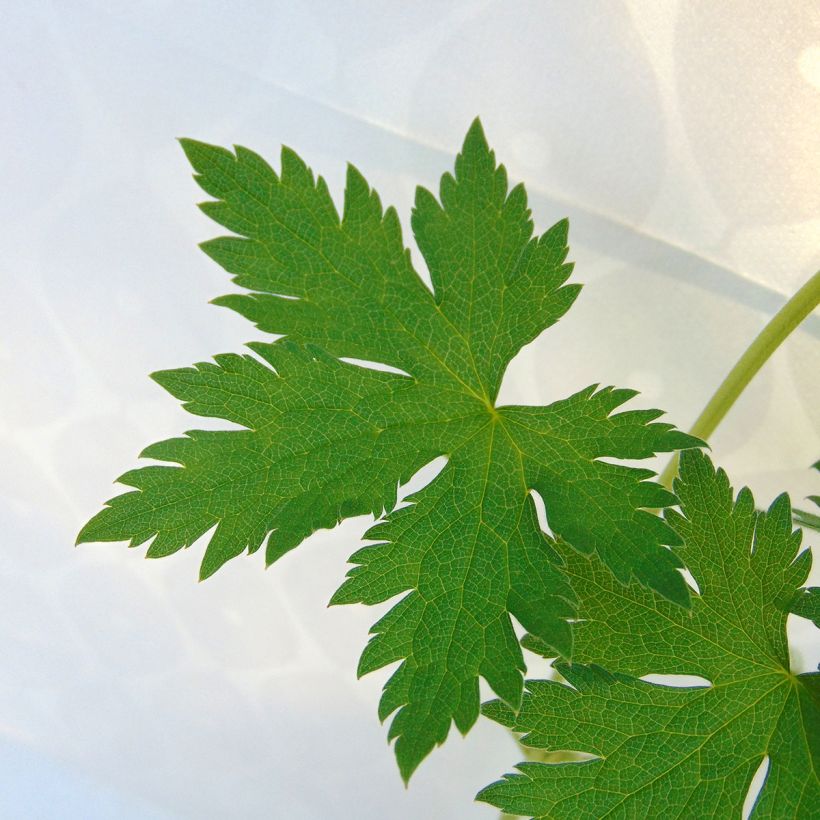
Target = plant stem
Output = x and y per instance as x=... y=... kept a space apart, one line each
x=768 y=340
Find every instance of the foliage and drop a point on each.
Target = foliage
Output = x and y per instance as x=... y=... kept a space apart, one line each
x=326 y=432
x=660 y=750
x=804 y=518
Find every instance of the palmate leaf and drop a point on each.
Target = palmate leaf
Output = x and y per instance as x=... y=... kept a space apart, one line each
x=663 y=751
x=324 y=439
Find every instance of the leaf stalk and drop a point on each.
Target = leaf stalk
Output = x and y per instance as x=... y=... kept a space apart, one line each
x=767 y=341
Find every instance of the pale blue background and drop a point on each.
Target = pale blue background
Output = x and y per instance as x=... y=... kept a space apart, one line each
x=682 y=139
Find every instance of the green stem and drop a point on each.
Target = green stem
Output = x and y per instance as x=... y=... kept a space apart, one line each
x=768 y=340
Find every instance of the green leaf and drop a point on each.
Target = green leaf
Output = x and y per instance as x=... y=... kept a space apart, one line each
x=324 y=439
x=806 y=519
x=806 y=604
x=665 y=751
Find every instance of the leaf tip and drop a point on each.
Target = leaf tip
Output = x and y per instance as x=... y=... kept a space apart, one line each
x=88 y=532
x=407 y=767
x=337 y=599
x=191 y=148
x=476 y=139
x=558 y=233
x=210 y=564
x=161 y=377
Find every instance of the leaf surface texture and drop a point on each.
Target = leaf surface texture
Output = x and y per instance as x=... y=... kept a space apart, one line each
x=664 y=751
x=322 y=439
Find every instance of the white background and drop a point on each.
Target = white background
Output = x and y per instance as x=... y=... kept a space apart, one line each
x=682 y=140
